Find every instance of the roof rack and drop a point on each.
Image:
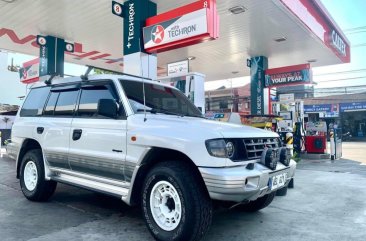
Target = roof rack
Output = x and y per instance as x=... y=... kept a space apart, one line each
x=84 y=77
x=49 y=81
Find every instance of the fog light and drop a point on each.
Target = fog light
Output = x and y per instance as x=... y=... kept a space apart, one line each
x=285 y=156
x=270 y=158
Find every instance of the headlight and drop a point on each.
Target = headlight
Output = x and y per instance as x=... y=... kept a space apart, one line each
x=230 y=149
x=216 y=148
x=226 y=148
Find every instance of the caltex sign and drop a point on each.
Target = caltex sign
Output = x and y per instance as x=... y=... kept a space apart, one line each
x=188 y=25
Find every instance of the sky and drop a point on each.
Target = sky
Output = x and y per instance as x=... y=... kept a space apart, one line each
x=348 y=14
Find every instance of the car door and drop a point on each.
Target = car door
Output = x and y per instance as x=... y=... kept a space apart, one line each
x=55 y=124
x=98 y=143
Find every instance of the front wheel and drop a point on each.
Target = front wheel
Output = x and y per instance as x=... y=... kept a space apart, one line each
x=175 y=204
x=32 y=177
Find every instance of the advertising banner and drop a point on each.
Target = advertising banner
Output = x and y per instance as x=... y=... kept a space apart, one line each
x=287 y=97
x=329 y=110
x=187 y=26
x=317 y=108
x=354 y=106
x=257 y=70
x=135 y=13
x=51 y=55
x=184 y=26
x=30 y=72
x=291 y=75
x=178 y=68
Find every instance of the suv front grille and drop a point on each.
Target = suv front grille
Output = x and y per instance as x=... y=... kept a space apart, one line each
x=254 y=147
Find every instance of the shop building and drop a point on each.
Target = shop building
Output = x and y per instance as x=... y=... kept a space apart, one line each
x=346 y=111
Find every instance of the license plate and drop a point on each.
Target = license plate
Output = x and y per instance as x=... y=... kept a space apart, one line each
x=277 y=181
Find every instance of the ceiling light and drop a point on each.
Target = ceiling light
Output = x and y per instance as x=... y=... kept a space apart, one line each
x=280 y=39
x=191 y=58
x=312 y=60
x=237 y=9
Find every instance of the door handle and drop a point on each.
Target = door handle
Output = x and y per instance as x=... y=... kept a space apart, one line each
x=40 y=130
x=76 y=134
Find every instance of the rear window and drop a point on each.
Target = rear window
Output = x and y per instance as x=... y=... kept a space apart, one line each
x=66 y=103
x=90 y=97
x=35 y=101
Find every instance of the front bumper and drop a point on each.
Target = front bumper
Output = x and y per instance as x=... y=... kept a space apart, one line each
x=239 y=183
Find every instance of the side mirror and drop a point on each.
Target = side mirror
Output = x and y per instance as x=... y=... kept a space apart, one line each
x=108 y=108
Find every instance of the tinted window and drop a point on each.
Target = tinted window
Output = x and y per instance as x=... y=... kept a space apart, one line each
x=90 y=97
x=33 y=105
x=159 y=99
x=50 y=107
x=66 y=103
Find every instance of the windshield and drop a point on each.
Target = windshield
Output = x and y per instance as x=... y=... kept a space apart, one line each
x=158 y=99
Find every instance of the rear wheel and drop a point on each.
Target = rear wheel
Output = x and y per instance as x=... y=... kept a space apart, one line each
x=175 y=205
x=32 y=177
x=258 y=204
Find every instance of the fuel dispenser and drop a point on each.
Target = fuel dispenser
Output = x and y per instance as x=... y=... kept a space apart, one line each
x=292 y=114
x=191 y=84
x=316 y=137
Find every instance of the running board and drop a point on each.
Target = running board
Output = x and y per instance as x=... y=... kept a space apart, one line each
x=110 y=187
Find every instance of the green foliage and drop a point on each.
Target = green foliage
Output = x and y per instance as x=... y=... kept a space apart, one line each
x=101 y=71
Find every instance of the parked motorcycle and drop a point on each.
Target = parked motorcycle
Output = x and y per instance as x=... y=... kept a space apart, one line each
x=346 y=136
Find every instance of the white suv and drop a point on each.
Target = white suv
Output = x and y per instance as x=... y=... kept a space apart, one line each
x=147 y=144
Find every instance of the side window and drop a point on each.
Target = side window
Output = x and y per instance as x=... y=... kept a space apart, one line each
x=66 y=103
x=49 y=110
x=90 y=96
x=34 y=103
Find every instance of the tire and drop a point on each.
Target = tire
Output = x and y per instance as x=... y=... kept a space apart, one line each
x=192 y=205
x=282 y=192
x=35 y=187
x=258 y=204
x=291 y=183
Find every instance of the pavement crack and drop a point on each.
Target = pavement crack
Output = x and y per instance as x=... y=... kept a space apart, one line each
x=9 y=187
x=289 y=210
x=79 y=209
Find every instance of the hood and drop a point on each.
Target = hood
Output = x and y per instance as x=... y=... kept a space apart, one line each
x=226 y=130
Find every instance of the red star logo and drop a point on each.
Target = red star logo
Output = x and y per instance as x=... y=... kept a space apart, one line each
x=25 y=74
x=157 y=34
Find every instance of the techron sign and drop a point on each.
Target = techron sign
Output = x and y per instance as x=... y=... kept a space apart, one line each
x=184 y=26
x=187 y=26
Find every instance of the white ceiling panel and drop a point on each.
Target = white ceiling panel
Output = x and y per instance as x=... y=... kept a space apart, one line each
x=91 y=23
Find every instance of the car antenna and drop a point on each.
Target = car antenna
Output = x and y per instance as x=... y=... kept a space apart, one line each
x=143 y=91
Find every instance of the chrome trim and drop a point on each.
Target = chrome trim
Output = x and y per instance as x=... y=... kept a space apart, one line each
x=241 y=184
x=108 y=186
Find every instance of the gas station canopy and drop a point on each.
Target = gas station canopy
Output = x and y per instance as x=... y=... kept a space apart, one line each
x=288 y=32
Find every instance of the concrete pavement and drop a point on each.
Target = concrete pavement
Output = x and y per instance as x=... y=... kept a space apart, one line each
x=328 y=203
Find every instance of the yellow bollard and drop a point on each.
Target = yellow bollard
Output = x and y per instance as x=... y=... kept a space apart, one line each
x=290 y=142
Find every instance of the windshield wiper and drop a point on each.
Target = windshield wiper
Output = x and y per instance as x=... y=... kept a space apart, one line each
x=155 y=111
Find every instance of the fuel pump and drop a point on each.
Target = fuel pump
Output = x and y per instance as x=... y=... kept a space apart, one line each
x=292 y=122
x=191 y=84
